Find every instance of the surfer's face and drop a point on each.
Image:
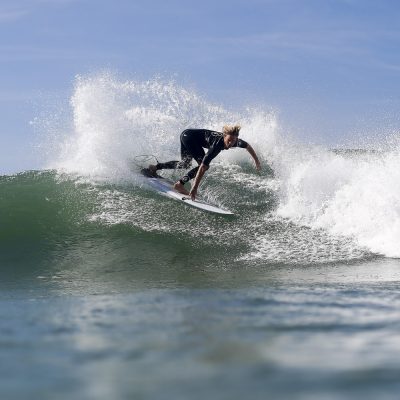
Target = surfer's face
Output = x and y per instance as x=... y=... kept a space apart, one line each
x=229 y=140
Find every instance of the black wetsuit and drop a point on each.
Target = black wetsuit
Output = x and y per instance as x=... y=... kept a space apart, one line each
x=193 y=142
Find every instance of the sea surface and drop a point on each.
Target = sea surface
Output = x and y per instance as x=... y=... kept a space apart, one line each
x=109 y=290
x=166 y=303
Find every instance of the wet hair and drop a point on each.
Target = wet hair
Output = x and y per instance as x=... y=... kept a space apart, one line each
x=231 y=130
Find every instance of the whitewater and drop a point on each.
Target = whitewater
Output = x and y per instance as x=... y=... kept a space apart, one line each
x=330 y=205
x=109 y=290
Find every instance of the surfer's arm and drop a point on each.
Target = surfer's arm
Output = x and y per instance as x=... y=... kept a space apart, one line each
x=201 y=171
x=254 y=155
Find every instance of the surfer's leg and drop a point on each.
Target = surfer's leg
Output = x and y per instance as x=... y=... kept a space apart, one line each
x=167 y=165
x=179 y=187
x=186 y=160
x=186 y=157
x=185 y=163
x=189 y=150
x=190 y=175
x=198 y=154
x=153 y=168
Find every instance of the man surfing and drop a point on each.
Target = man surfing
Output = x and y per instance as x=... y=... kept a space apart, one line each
x=193 y=142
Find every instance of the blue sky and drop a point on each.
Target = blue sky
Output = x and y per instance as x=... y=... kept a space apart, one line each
x=331 y=67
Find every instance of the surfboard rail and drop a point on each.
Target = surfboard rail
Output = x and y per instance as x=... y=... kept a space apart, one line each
x=166 y=188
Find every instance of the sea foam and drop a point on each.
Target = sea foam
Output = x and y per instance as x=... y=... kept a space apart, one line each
x=351 y=195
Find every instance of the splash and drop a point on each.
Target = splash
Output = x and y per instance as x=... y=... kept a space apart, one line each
x=353 y=195
x=350 y=201
x=114 y=121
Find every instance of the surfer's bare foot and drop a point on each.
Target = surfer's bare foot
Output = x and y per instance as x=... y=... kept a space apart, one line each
x=180 y=188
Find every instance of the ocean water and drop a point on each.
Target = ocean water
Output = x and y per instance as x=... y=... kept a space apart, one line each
x=109 y=290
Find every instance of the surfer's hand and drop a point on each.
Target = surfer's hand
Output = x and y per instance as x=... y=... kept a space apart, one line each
x=193 y=193
x=258 y=166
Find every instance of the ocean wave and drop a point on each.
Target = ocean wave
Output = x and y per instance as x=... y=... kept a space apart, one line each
x=308 y=205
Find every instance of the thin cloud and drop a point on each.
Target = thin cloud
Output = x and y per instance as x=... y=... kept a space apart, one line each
x=319 y=43
x=17 y=10
x=342 y=46
x=12 y=15
x=30 y=53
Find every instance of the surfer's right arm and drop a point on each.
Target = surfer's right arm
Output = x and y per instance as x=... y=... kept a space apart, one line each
x=254 y=155
x=201 y=171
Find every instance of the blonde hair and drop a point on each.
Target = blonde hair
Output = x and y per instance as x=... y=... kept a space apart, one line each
x=231 y=130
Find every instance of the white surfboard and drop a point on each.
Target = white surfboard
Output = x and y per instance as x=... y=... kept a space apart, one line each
x=166 y=188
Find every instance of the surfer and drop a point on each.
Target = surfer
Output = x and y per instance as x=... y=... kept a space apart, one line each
x=193 y=142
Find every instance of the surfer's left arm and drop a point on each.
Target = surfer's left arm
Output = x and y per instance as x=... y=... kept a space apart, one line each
x=254 y=155
x=201 y=171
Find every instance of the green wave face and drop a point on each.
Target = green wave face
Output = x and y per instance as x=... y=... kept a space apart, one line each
x=61 y=223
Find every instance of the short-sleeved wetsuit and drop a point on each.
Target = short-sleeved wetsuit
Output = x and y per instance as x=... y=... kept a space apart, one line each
x=193 y=142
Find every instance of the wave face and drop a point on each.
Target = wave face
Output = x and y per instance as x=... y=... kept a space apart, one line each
x=308 y=205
